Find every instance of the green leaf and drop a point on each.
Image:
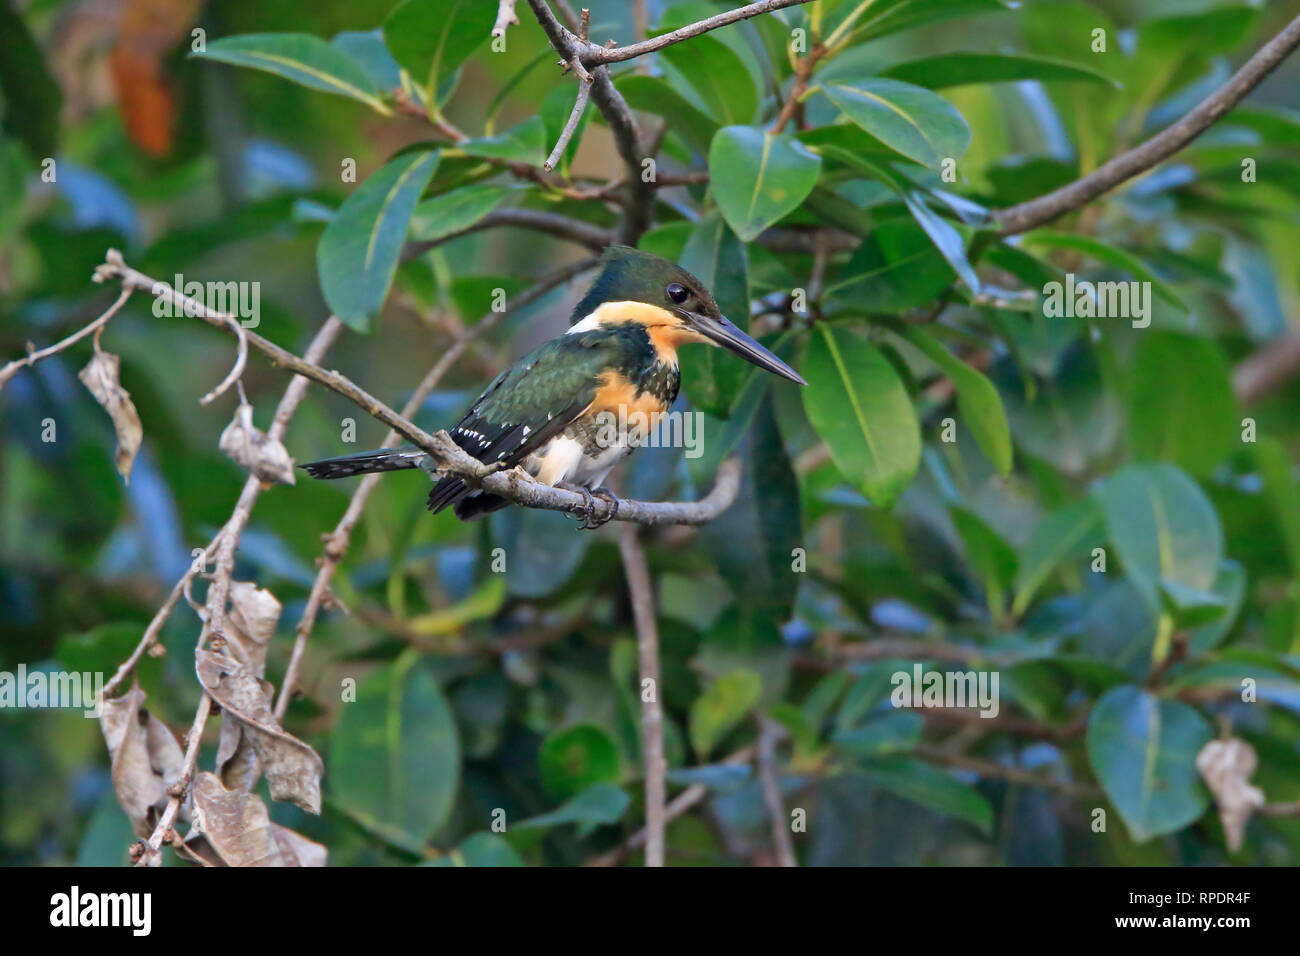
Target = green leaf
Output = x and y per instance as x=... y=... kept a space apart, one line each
x=366 y=49
x=921 y=125
x=753 y=541
x=30 y=96
x=1070 y=531
x=890 y=16
x=307 y=60
x=395 y=754
x=457 y=210
x=945 y=237
x=932 y=788
x=1107 y=255
x=525 y=143
x=858 y=405
x=602 y=803
x=977 y=400
x=480 y=849
x=1143 y=750
x=1163 y=527
x=430 y=39
x=713 y=377
x=723 y=705
x=717 y=76
x=572 y=760
x=896 y=267
x=360 y=248
x=1180 y=403
x=990 y=556
x=963 y=69
x=759 y=178
x=1230 y=587
x=890 y=732
x=653 y=95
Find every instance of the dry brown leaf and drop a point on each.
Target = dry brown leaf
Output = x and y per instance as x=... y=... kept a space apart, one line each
x=100 y=376
x=1227 y=766
x=233 y=828
x=146 y=759
x=292 y=768
x=247 y=445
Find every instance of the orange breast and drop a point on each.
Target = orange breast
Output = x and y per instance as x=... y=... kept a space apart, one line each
x=618 y=396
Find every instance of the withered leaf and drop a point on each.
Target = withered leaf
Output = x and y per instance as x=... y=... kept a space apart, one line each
x=233 y=828
x=247 y=445
x=100 y=376
x=254 y=612
x=1227 y=766
x=146 y=759
x=292 y=768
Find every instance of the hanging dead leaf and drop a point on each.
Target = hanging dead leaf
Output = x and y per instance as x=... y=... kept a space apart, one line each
x=247 y=445
x=1227 y=766
x=292 y=768
x=145 y=758
x=233 y=828
x=101 y=376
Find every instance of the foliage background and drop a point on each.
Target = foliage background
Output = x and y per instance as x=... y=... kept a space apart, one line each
x=519 y=693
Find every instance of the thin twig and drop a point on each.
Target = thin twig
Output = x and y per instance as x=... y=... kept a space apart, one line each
x=32 y=357
x=575 y=117
x=768 y=735
x=601 y=55
x=652 y=712
x=505 y=17
x=241 y=359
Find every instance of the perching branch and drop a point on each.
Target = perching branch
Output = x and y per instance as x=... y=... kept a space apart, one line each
x=1139 y=159
x=596 y=56
x=652 y=711
x=339 y=540
x=514 y=486
x=33 y=356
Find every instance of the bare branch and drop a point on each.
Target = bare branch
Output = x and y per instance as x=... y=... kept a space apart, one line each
x=601 y=55
x=512 y=485
x=505 y=17
x=575 y=117
x=652 y=711
x=32 y=357
x=241 y=359
x=1164 y=144
x=768 y=735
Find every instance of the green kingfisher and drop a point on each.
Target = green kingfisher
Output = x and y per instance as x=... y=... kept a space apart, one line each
x=570 y=409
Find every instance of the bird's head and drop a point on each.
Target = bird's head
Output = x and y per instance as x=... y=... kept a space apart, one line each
x=676 y=308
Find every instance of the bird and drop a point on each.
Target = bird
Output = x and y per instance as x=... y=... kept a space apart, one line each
x=568 y=411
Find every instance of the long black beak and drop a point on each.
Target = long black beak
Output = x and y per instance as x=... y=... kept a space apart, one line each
x=724 y=332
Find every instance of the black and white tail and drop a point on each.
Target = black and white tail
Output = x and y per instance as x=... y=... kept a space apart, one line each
x=364 y=462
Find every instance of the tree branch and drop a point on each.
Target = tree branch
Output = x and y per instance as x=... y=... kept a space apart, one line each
x=652 y=712
x=513 y=485
x=596 y=56
x=540 y=220
x=33 y=356
x=768 y=735
x=1043 y=209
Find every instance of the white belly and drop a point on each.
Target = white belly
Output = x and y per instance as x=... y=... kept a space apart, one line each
x=563 y=460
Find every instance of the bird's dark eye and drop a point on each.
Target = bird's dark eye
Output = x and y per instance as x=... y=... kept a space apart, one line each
x=678 y=292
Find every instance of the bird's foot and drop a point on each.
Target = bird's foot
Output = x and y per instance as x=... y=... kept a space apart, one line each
x=607 y=496
x=587 y=512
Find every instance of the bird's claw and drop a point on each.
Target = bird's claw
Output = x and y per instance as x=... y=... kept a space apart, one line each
x=589 y=522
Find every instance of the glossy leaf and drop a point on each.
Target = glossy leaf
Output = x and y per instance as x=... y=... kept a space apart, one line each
x=602 y=803
x=457 y=210
x=572 y=760
x=759 y=178
x=395 y=752
x=430 y=39
x=722 y=705
x=717 y=76
x=1163 y=527
x=933 y=789
x=858 y=405
x=1061 y=535
x=921 y=125
x=360 y=247
x=1143 y=749
x=962 y=69
x=305 y=59
x=713 y=377
x=977 y=399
